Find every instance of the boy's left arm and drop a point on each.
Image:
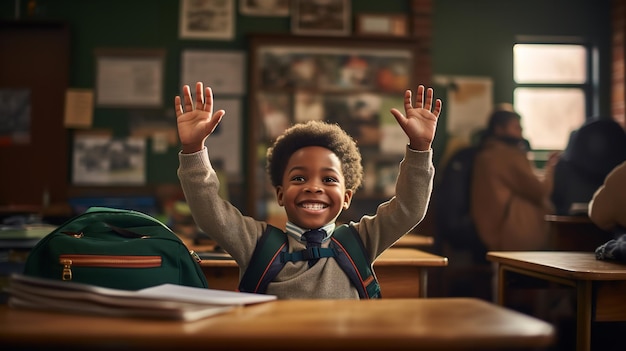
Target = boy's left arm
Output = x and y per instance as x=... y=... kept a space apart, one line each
x=400 y=214
x=407 y=208
x=419 y=123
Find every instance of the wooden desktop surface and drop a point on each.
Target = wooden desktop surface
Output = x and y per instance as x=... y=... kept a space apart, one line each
x=564 y=264
x=392 y=324
x=567 y=219
x=600 y=285
x=401 y=272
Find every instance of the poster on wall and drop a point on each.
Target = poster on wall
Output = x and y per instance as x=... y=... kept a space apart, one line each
x=129 y=78
x=350 y=82
x=224 y=144
x=223 y=71
x=15 y=108
x=321 y=17
x=266 y=8
x=100 y=159
x=207 y=19
x=78 y=108
x=469 y=101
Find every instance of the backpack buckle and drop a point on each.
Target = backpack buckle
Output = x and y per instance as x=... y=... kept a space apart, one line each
x=307 y=254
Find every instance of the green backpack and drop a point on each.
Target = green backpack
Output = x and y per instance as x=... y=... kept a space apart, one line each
x=346 y=247
x=115 y=248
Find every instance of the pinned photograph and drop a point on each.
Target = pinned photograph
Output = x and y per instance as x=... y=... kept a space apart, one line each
x=103 y=160
x=321 y=17
x=207 y=19
x=266 y=8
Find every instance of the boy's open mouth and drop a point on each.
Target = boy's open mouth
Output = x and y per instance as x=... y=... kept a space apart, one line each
x=315 y=206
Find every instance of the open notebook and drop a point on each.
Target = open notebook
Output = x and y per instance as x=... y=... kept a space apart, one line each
x=168 y=301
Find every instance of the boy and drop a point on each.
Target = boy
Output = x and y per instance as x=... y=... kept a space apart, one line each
x=315 y=169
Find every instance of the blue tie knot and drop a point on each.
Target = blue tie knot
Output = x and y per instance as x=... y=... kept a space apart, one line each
x=314 y=240
x=314 y=237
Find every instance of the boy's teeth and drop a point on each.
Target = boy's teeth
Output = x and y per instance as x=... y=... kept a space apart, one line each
x=313 y=206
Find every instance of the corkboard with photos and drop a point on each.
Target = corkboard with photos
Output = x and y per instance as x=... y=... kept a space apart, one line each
x=350 y=81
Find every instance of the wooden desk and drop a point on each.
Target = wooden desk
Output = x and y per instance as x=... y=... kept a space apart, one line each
x=401 y=272
x=575 y=233
x=414 y=241
x=393 y=324
x=600 y=285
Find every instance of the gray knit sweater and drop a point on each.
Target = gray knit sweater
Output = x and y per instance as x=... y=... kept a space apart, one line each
x=238 y=234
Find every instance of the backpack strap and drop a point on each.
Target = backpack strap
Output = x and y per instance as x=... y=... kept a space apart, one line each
x=270 y=255
x=352 y=258
x=264 y=266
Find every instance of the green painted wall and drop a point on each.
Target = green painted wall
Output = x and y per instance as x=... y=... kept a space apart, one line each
x=476 y=37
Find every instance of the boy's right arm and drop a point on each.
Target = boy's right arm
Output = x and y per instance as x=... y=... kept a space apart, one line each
x=236 y=233
x=217 y=217
x=195 y=124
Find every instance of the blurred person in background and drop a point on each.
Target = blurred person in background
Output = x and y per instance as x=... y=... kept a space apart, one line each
x=508 y=199
x=593 y=150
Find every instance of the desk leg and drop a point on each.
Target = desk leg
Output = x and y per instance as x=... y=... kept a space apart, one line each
x=423 y=279
x=500 y=293
x=583 y=315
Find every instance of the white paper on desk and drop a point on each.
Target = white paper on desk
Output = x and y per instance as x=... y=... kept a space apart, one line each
x=172 y=310
x=56 y=295
x=161 y=295
x=201 y=295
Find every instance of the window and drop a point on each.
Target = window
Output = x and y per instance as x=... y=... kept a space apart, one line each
x=550 y=93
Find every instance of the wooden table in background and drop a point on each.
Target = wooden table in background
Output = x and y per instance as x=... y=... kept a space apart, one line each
x=381 y=324
x=575 y=233
x=600 y=285
x=401 y=272
x=415 y=241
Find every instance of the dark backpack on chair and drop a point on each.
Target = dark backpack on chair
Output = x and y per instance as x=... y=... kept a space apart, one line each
x=271 y=254
x=114 y=248
x=451 y=201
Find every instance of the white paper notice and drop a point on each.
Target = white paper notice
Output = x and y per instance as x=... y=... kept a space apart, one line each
x=223 y=71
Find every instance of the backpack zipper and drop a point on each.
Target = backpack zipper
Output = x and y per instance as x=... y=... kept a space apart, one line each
x=107 y=261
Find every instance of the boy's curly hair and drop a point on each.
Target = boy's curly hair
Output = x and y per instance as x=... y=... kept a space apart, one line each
x=316 y=133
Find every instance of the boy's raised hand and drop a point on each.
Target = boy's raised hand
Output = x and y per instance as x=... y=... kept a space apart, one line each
x=419 y=122
x=196 y=121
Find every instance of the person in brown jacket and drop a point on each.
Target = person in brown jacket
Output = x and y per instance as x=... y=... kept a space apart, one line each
x=508 y=198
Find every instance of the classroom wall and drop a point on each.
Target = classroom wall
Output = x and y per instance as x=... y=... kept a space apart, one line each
x=470 y=38
x=476 y=37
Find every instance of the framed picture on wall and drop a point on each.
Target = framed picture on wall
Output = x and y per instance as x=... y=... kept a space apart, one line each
x=223 y=70
x=382 y=24
x=100 y=159
x=349 y=81
x=207 y=19
x=266 y=8
x=129 y=78
x=321 y=17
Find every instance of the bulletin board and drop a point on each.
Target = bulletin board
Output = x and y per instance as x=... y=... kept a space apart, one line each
x=350 y=81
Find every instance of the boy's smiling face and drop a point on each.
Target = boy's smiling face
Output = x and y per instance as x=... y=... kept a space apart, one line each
x=313 y=189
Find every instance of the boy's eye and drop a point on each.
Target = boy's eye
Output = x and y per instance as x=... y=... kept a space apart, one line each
x=297 y=179
x=330 y=180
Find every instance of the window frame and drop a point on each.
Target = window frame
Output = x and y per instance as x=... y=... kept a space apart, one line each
x=588 y=87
